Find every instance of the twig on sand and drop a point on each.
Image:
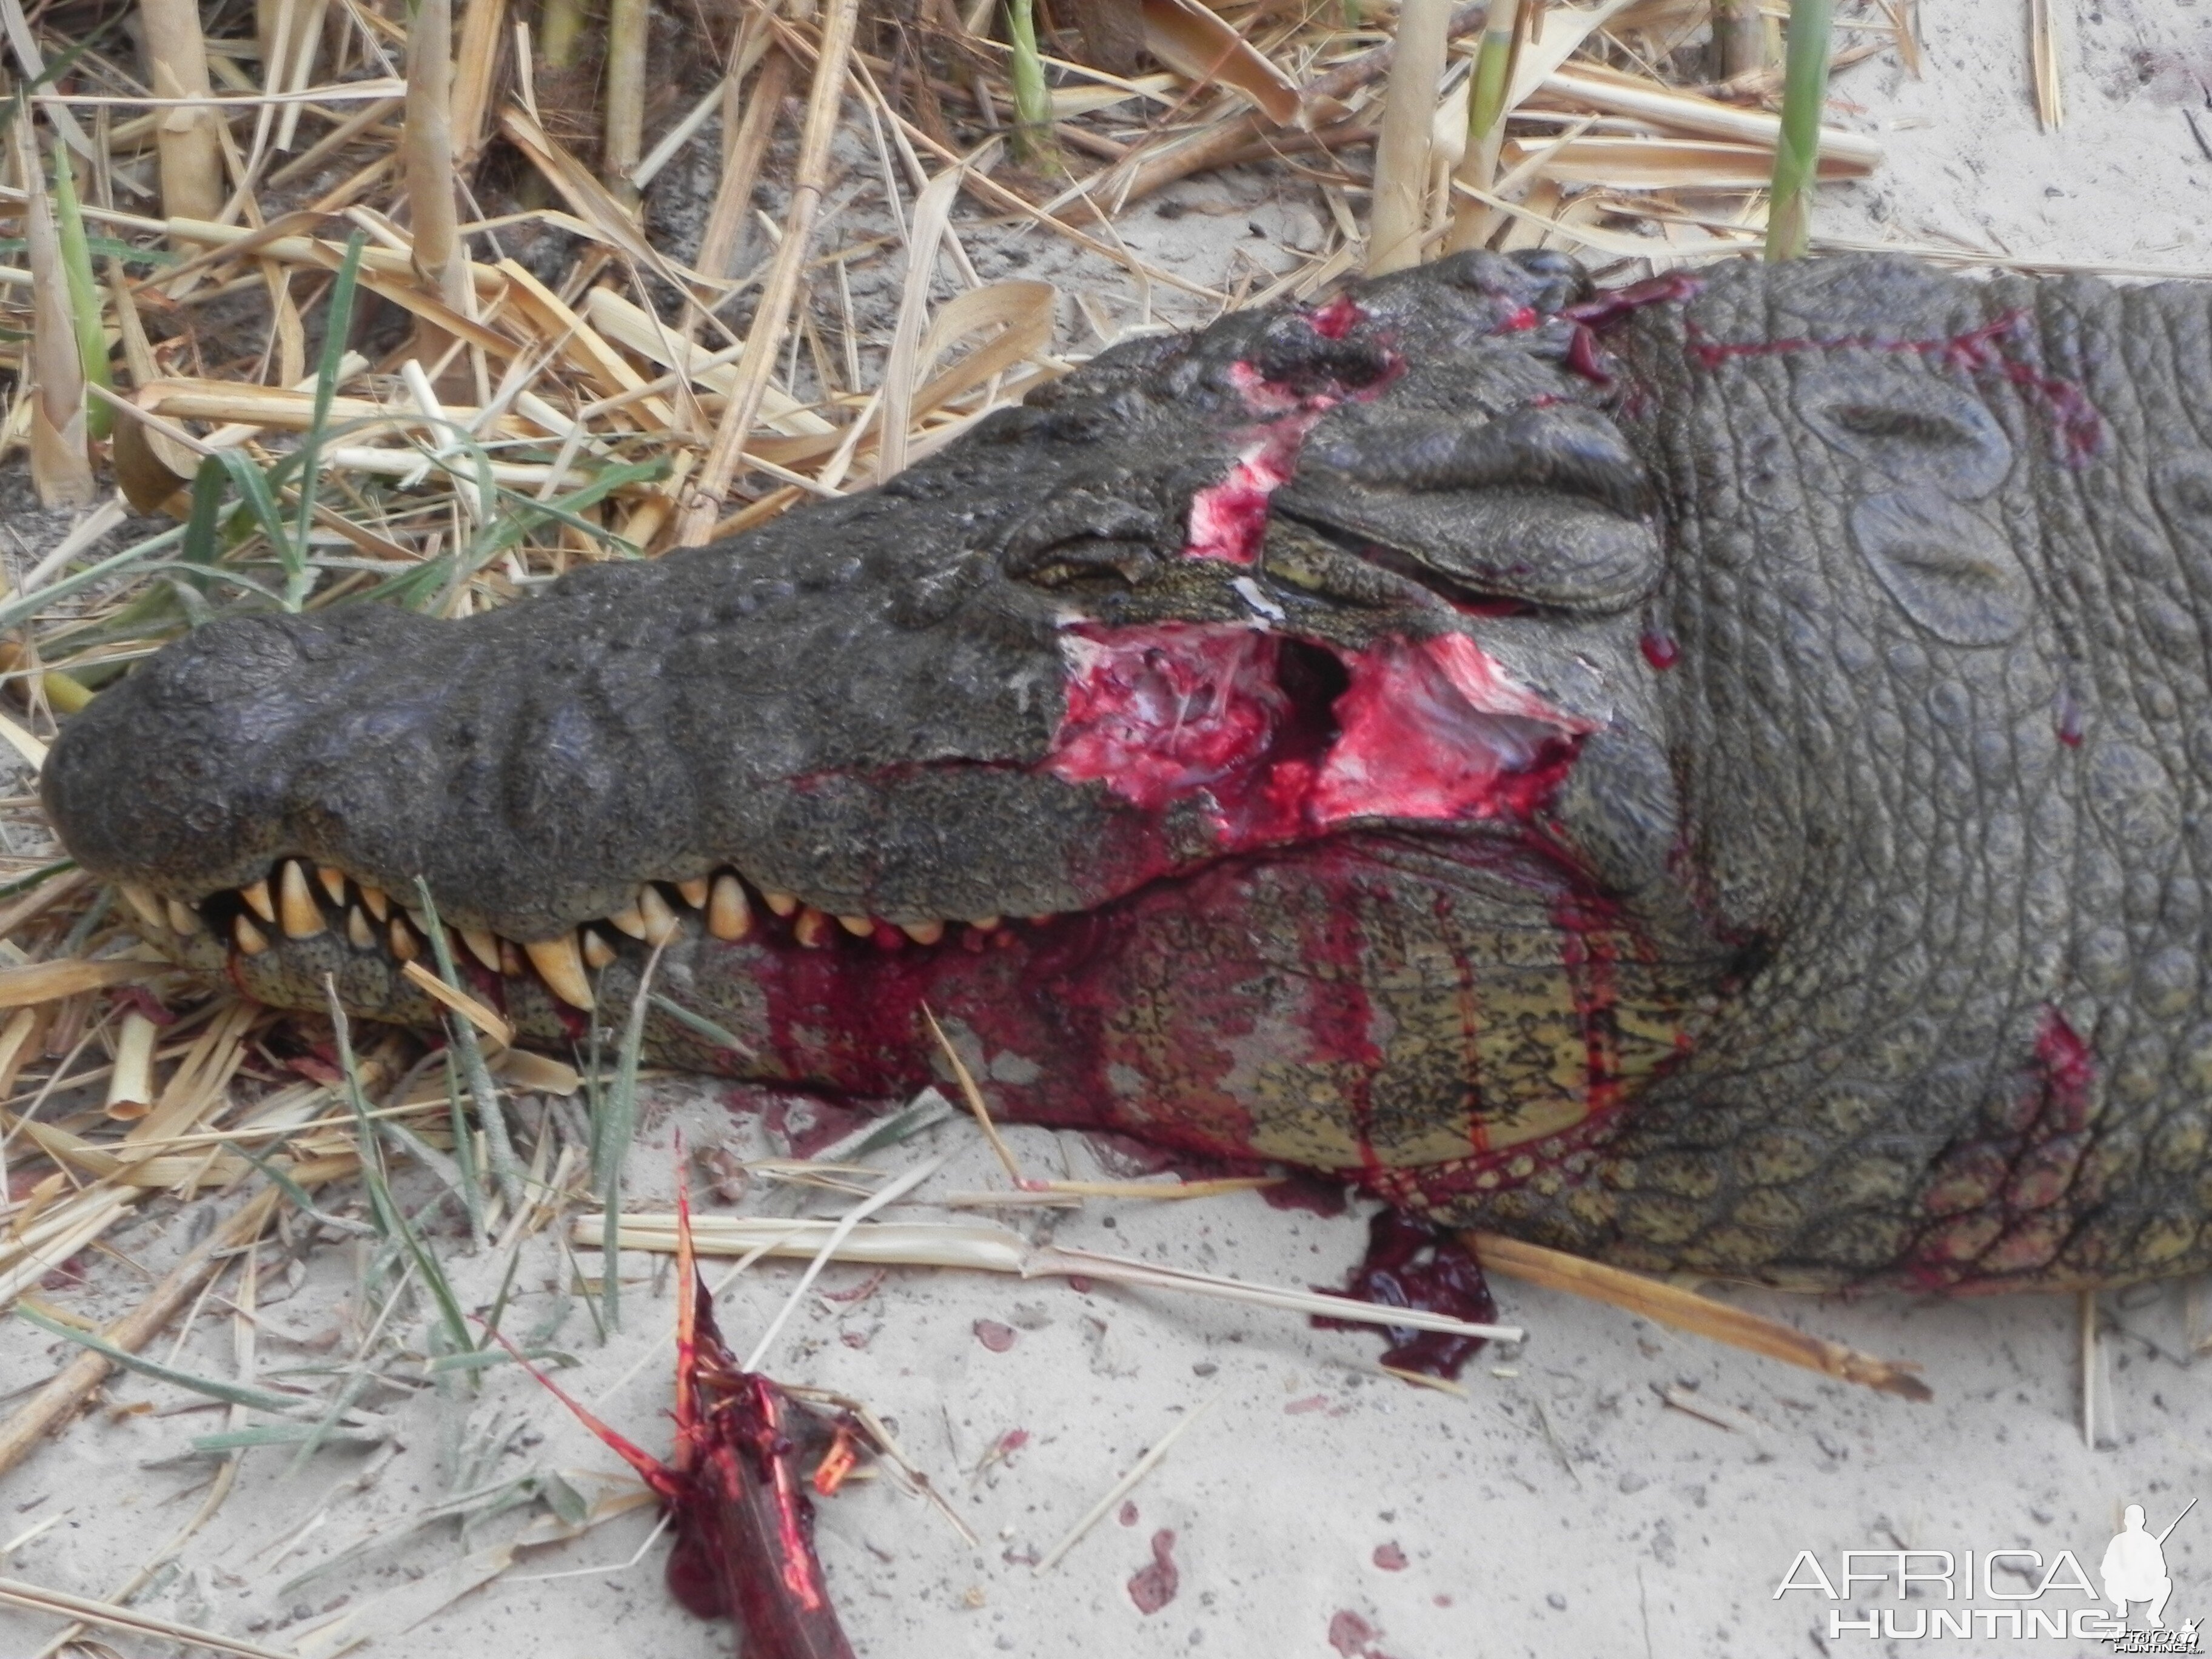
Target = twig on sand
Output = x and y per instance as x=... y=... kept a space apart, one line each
x=53 y=1404
x=1122 y=1488
x=1700 y=1315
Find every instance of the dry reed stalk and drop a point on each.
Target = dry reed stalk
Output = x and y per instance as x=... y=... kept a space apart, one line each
x=131 y=1084
x=1154 y=167
x=1685 y=1311
x=475 y=71
x=746 y=147
x=1399 y=214
x=2043 y=49
x=60 y=1397
x=1738 y=38
x=190 y=158
x=773 y=316
x=623 y=144
x=1592 y=87
x=61 y=465
x=427 y=142
x=87 y=1611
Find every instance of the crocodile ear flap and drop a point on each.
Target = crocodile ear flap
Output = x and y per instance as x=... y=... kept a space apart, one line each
x=1893 y=417
x=1542 y=507
x=1947 y=566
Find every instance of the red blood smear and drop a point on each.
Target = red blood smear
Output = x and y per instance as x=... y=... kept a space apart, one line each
x=1354 y=1638
x=994 y=1336
x=1608 y=308
x=807 y=1125
x=1660 y=649
x=1337 y=319
x=1128 y=1515
x=2066 y=713
x=1410 y=1264
x=2003 y=1205
x=2078 y=427
x=1389 y=1557
x=1312 y=1403
x=1155 y=1586
x=1011 y=1442
x=140 y=1000
x=1315 y=1194
x=2069 y=1071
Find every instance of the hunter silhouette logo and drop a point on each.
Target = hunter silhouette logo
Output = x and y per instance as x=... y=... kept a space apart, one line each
x=2133 y=1569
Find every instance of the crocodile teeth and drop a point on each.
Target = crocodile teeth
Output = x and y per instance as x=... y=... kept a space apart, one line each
x=510 y=959
x=149 y=907
x=630 y=919
x=660 y=922
x=358 y=931
x=923 y=932
x=379 y=905
x=782 y=903
x=257 y=895
x=186 y=920
x=251 y=939
x=694 y=891
x=404 y=945
x=560 y=965
x=481 y=945
x=597 y=951
x=333 y=884
x=812 y=929
x=728 y=915
x=987 y=924
x=858 y=927
x=303 y=917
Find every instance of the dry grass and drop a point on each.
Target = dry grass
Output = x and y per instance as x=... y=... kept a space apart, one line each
x=345 y=369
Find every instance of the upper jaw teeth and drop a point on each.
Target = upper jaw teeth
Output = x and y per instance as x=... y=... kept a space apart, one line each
x=299 y=900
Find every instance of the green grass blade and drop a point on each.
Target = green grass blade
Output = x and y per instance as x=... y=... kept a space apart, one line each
x=390 y=1220
x=24 y=606
x=1796 y=156
x=499 y=1146
x=338 y=323
x=232 y=1394
x=720 y=1037
x=84 y=293
x=1032 y=100
x=610 y=1137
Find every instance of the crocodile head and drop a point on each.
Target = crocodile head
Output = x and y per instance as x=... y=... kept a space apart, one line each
x=1263 y=742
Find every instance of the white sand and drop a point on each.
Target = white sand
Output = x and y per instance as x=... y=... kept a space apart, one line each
x=1560 y=1510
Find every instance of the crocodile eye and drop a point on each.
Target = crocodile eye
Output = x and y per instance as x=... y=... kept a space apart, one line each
x=1089 y=565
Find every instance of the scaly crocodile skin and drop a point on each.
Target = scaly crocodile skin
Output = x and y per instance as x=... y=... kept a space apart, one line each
x=1707 y=776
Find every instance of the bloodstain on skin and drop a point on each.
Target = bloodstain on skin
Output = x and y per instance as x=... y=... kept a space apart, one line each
x=2078 y=427
x=2066 y=717
x=994 y=1336
x=1410 y=1264
x=1660 y=649
x=2001 y=1204
x=1154 y=1586
x=1337 y=319
x=1585 y=357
